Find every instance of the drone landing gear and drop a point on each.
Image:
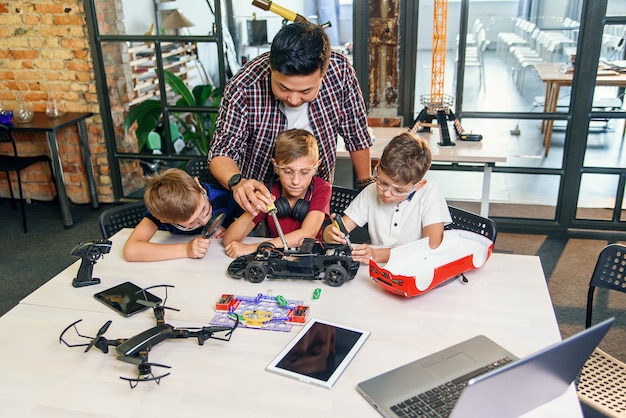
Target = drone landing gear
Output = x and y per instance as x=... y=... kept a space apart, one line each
x=145 y=370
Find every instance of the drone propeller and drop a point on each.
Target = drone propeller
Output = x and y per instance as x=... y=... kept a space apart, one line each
x=151 y=304
x=102 y=330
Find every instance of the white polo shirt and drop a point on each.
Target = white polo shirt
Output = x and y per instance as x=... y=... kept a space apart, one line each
x=393 y=224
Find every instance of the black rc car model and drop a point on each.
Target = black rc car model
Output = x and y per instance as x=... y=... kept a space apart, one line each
x=312 y=261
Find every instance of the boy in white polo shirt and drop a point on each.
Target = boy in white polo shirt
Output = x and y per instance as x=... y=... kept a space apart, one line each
x=400 y=207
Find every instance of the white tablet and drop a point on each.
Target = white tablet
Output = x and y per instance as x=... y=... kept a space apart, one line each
x=319 y=353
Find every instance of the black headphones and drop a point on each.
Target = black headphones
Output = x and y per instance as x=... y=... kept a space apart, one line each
x=284 y=210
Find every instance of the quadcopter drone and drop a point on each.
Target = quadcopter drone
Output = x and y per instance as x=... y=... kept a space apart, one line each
x=135 y=350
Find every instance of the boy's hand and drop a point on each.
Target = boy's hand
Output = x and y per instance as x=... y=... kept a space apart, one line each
x=362 y=253
x=197 y=247
x=236 y=249
x=333 y=234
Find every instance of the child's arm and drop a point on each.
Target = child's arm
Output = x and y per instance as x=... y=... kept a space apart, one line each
x=434 y=232
x=235 y=233
x=309 y=229
x=363 y=253
x=139 y=248
x=332 y=234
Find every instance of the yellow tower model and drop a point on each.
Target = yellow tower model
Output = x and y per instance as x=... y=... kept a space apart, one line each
x=437 y=104
x=440 y=20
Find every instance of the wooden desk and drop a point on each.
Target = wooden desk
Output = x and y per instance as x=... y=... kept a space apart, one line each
x=506 y=300
x=42 y=123
x=550 y=73
x=484 y=153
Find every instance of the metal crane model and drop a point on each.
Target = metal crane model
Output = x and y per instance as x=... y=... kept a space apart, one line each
x=438 y=105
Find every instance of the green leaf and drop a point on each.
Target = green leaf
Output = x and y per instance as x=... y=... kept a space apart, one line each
x=147 y=115
x=179 y=87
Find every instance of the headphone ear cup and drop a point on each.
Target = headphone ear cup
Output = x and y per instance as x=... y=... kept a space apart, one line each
x=300 y=210
x=283 y=210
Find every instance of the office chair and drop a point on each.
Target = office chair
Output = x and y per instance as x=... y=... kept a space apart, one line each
x=602 y=382
x=15 y=163
x=468 y=221
x=341 y=198
x=197 y=167
x=123 y=216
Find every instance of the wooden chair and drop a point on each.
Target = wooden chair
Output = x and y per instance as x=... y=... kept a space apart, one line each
x=14 y=163
x=123 y=216
x=602 y=382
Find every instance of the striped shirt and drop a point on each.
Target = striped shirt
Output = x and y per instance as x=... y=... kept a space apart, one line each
x=249 y=118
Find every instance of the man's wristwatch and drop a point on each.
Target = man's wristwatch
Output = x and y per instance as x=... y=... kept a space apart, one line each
x=233 y=181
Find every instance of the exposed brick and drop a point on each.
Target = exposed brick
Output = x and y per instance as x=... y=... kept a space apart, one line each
x=69 y=20
x=24 y=54
x=49 y=8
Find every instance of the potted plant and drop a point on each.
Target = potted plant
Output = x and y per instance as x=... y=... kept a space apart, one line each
x=197 y=129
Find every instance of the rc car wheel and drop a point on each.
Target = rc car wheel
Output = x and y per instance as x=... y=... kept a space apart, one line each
x=335 y=275
x=255 y=272
x=265 y=249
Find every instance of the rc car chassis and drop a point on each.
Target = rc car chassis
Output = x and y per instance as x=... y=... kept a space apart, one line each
x=311 y=261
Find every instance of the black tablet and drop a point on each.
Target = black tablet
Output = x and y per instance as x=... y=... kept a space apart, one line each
x=320 y=353
x=123 y=298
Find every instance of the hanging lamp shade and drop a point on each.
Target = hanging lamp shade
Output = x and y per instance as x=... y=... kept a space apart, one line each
x=176 y=20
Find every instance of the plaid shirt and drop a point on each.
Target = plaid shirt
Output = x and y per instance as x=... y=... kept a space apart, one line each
x=249 y=118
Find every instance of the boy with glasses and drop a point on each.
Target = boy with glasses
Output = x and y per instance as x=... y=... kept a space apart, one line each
x=400 y=207
x=180 y=204
x=301 y=198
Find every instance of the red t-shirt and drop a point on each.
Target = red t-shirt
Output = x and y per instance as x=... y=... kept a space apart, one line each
x=319 y=200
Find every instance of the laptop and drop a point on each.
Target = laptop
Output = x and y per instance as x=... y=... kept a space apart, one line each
x=490 y=380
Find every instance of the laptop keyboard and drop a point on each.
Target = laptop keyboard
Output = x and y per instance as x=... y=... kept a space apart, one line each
x=439 y=401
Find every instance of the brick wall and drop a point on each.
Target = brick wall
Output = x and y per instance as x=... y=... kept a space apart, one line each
x=45 y=46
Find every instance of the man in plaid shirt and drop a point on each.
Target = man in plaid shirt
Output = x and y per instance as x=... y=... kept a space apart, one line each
x=300 y=83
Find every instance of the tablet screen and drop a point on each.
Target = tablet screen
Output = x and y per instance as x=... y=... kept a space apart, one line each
x=319 y=353
x=123 y=298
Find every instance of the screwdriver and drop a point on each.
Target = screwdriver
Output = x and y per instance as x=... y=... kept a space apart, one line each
x=271 y=209
x=339 y=224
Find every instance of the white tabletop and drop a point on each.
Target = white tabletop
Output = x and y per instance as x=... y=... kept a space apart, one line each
x=507 y=300
x=486 y=151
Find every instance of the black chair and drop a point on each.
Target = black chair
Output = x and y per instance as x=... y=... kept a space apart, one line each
x=468 y=221
x=602 y=381
x=339 y=201
x=341 y=198
x=197 y=167
x=15 y=163
x=119 y=217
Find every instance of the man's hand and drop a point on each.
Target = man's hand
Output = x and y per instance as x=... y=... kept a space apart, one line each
x=252 y=196
x=197 y=247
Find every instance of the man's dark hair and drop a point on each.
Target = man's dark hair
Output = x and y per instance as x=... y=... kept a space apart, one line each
x=300 y=48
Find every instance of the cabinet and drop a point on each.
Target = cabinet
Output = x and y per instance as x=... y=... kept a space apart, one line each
x=178 y=57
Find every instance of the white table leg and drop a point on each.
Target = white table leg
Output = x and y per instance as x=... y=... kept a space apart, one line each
x=484 y=203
